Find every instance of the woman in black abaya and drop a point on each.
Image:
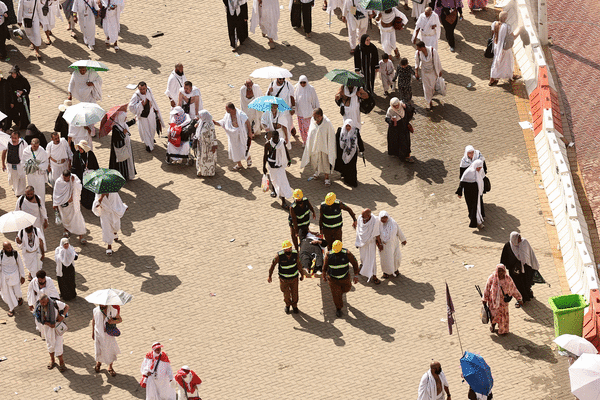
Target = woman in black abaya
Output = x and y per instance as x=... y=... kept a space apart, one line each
x=366 y=61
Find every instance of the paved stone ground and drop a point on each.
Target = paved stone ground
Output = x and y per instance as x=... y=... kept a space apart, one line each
x=177 y=247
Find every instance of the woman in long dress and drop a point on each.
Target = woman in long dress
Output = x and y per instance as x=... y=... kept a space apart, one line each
x=206 y=142
x=64 y=255
x=520 y=260
x=105 y=346
x=398 y=118
x=498 y=284
x=349 y=144
x=471 y=155
x=503 y=63
x=121 y=139
x=471 y=183
x=391 y=237
x=84 y=160
x=366 y=61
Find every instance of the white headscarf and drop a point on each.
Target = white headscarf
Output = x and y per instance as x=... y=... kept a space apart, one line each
x=393 y=112
x=386 y=230
x=471 y=175
x=63 y=257
x=348 y=141
x=466 y=161
x=120 y=119
x=523 y=251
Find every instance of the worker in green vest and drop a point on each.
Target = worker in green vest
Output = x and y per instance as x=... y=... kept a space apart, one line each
x=289 y=272
x=336 y=271
x=330 y=219
x=300 y=211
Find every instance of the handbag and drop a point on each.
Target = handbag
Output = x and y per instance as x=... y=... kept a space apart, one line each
x=487 y=185
x=489 y=50
x=451 y=18
x=146 y=110
x=28 y=22
x=342 y=110
x=264 y=185
x=507 y=298
x=440 y=86
x=112 y=330
x=122 y=153
x=398 y=24
x=367 y=105
x=485 y=318
x=45 y=9
x=60 y=328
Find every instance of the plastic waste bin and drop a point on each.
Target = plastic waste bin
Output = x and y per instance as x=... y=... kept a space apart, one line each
x=568 y=314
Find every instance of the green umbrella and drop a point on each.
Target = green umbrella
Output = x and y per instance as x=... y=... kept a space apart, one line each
x=344 y=77
x=104 y=180
x=378 y=5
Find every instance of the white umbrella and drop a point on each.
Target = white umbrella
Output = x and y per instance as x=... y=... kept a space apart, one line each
x=84 y=114
x=14 y=221
x=575 y=344
x=271 y=72
x=4 y=139
x=91 y=64
x=109 y=297
x=585 y=377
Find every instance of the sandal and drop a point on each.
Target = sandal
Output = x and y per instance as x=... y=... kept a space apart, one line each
x=10 y=313
x=386 y=276
x=237 y=168
x=62 y=367
x=112 y=372
x=66 y=234
x=273 y=194
x=109 y=252
x=249 y=163
x=51 y=365
x=327 y=182
x=97 y=368
x=517 y=305
x=83 y=241
x=396 y=274
x=376 y=280
x=410 y=159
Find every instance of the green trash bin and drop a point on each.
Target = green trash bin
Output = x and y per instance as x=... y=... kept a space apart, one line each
x=568 y=314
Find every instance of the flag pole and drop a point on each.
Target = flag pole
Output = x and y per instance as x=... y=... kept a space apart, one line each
x=452 y=316
x=458 y=334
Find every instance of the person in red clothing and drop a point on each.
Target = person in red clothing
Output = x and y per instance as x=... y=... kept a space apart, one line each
x=157 y=374
x=187 y=384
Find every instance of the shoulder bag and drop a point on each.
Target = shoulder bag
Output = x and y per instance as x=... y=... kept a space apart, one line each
x=28 y=22
x=451 y=17
x=111 y=329
x=487 y=185
x=507 y=298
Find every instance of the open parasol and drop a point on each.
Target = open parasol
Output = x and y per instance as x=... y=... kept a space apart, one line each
x=108 y=120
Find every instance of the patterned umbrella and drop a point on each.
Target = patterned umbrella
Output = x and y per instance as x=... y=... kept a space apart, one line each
x=91 y=64
x=379 y=5
x=477 y=373
x=345 y=77
x=104 y=180
x=264 y=103
x=108 y=120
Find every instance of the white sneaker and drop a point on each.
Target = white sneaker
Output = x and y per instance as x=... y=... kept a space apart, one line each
x=91 y=47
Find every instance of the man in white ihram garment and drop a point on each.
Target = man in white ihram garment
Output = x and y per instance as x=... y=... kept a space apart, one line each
x=157 y=374
x=38 y=286
x=433 y=384
x=79 y=133
x=418 y=8
x=387 y=31
x=26 y=11
x=368 y=241
x=110 y=208
x=237 y=127
x=32 y=204
x=144 y=106
x=503 y=62
x=85 y=85
x=84 y=13
x=265 y=13
x=48 y=21
x=32 y=244
x=428 y=28
x=59 y=157
x=67 y=200
x=429 y=67
x=106 y=348
x=190 y=99
x=112 y=21
x=274 y=121
x=275 y=160
x=320 y=150
x=249 y=92
x=284 y=90
x=357 y=18
x=36 y=167
x=174 y=83
x=391 y=237
x=12 y=276
x=50 y=313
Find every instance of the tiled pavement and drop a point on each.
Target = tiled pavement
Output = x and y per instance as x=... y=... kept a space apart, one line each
x=177 y=246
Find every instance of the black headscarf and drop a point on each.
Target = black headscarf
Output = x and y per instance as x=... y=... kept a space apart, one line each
x=363 y=40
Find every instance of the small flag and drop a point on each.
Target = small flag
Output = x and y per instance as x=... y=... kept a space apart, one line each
x=449 y=309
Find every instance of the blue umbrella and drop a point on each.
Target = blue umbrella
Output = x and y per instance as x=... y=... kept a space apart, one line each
x=477 y=373
x=263 y=104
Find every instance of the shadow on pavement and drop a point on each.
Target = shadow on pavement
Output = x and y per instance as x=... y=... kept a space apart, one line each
x=526 y=347
x=126 y=36
x=498 y=224
x=369 y=325
x=538 y=313
x=405 y=289
x=138 y=205
x=324 y=330
x=453 y=115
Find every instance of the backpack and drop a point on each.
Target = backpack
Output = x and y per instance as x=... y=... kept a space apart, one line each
x=188 y=131
x=22 y=199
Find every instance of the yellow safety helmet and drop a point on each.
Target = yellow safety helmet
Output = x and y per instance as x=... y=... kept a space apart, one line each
x=337 y=246
x=298 y=195
x=286 y=244
x=330 y=198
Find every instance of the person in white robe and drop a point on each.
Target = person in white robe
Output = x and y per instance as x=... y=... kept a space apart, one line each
x=38 y=286
x=265 y=13
x=391 y=237
x=418 y=7
x=144 y=106
x=275 y=161
x=178 y=150
x=357 y=19
x=106 y=348
x=26 y=11
x=14 y=164
x=386 y=73
x=85 y=85
x=84 y=11
x=428 y=67
x=349 y=97
x=36 y=167
x=50 y=313
x=66 y=199
x=48 y=21
x=112 y=21
x=385 y=20
x=12 y=276
x=331 y=5
x=33 y=247
x=368 y=241
x=249 y=92
x=32 y=204
x=59 y=157
x=307 y=101
x=427 y=29
x=187 y=384
x=428 y=385
x=157 y=374
x=284 y=90
x=237 y=127
x=189 y=95
x=503 y=62
x=79 y=133
x=175 y=83
x=110 y=208
x=321 y=149
x=275 y=121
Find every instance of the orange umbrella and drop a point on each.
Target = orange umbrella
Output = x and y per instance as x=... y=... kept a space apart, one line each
x=108 y=120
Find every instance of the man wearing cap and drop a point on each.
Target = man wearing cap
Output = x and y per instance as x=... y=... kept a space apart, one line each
x=299 y=215
x=187 y=384
x=289 y=270
x=35 y=161
x=336 y=271
x=157 y=374
x=59 y=157
x=330 y=218
x=85 y=85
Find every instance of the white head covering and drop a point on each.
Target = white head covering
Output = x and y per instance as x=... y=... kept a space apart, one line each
x=120 y=119
x=471 y=175
x=466 y=161
x=303 y=78
x=395 y=112
x=523 y=251
x=348 y=141
x=63 y=257
x=386 y=230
